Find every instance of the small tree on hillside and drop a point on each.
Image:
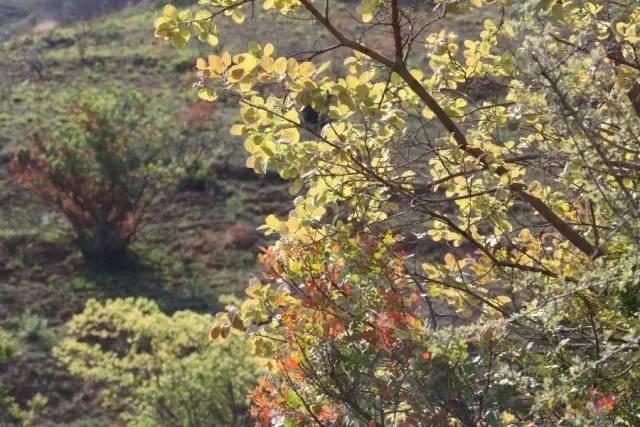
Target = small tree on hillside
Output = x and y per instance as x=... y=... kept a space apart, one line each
x=101 y=167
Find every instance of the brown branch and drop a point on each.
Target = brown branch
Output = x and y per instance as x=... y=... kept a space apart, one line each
x=634 y=97
x=347 y=42
x=397 y=30
x=399 y=67
x=314 y=53
x=518 y=188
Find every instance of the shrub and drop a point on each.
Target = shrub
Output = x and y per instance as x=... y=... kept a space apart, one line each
x=26 y=415
x=195 y=169
x=101 y=168
x=158 y=370
x=34 y=330
x=240 y=236
x=8 y=346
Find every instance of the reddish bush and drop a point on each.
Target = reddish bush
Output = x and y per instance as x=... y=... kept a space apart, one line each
x=102 y=214
x=199 y=114
x=101 y=170
x=240 y=236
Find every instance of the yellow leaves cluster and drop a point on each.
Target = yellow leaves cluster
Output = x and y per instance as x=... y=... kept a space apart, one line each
x=364 y=115
x=284 y=228
x=628 y=32
x=283 y=6
x=368 y=9
x=244 y=70
x=171 y=26
x=214 y=65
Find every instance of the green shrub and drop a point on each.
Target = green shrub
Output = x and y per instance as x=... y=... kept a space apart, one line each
x=195 y=167
x=26 y=415
x=158 y=370
x=8 y=346
x=33 y=329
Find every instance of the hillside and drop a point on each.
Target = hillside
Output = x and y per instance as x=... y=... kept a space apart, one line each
x=19 y=16
x=198 y=244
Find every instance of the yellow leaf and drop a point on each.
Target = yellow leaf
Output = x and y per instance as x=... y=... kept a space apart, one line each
x=268 y=50
x=318 y=212
x=237 y=16
x=201 y=64
x=207 y=94
x=250 y=163
x=236 y=72
x=260 y=165
x=306 y=69
x=226 y=59
x=292 y=66
x=212 y=40
x=427 y=113
x=169 y=11
x=216 y=64
x=290 y=135
x=248 y=62
x=525 y=235
x=502 y=300
x=417 y=74
x=267 y=63
x=280 y=66
x=450 y=261
x=236 y=130
x=163 y=26
x=293 y=225
x=507 y=417
x=292 y=116
x=430 y=270
x=184 y=15
x=202 y=15
x=272 y=222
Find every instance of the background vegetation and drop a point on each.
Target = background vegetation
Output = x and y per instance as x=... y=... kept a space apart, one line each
x=196 y=241
x=447 y=213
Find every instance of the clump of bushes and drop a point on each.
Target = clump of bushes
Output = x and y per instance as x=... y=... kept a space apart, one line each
x=195 y=169
x=15 y=414
x=8 y=346
x=100 y=164
x=159 y=370
x=34 y=330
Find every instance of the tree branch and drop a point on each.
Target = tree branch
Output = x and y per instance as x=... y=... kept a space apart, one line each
x=397 y=30
x=399 y=67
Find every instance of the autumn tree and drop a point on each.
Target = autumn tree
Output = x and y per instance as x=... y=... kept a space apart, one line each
x=461 y=250
x=100 y=162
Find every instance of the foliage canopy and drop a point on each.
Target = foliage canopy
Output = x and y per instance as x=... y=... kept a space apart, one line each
x=462 y=246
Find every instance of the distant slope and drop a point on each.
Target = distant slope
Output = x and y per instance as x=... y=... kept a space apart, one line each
x=196 y=245
x=17 y=16
x=10 y=15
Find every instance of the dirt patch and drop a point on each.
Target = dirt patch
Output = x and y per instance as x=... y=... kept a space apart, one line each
x=44 y=27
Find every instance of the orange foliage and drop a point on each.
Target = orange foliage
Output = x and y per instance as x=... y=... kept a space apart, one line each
x=199 y=114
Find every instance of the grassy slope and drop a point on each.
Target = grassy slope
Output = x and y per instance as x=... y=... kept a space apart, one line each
x=196 y=246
